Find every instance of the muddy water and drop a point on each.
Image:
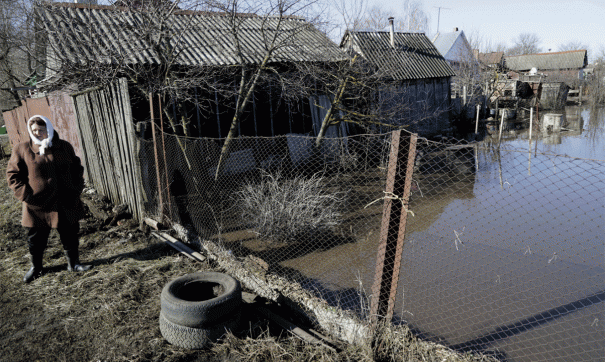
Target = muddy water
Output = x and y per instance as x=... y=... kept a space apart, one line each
x=509 y=260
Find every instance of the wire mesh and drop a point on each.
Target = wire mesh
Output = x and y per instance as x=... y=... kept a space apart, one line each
x=277 y=199
x=504 y=253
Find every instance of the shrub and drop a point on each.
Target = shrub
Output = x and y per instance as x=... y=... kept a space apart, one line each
x=282 y=209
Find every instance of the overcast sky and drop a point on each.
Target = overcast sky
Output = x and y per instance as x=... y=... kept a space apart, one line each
x=555 y=22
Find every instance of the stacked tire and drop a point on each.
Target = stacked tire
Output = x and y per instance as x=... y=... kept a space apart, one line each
x=197 y=309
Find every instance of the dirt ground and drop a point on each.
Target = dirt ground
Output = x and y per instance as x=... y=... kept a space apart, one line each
x=111 y=312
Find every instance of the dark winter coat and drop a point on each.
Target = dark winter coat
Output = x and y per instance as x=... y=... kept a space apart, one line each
x=48 y=185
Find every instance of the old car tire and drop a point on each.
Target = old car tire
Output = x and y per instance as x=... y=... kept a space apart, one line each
x=192 y=300
x=195 y=338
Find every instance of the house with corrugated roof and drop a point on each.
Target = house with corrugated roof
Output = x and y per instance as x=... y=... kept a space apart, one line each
x=565 y=66
x=205 y=57
x=412 y=64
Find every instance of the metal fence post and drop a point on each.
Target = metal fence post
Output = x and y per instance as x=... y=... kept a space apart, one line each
x=394 y=218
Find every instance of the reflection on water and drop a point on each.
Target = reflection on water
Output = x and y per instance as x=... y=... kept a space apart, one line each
x=508 y=258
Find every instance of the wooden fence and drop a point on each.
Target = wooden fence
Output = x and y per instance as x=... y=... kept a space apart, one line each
x=109 y=147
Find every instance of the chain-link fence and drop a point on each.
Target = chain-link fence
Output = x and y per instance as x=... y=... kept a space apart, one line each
x=310 y=215
x=503 y=250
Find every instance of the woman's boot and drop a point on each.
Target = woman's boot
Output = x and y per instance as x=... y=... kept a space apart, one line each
x=73 y=261
x=36 y=269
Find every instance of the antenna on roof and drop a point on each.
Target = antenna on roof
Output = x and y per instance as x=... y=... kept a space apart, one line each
x=439 y=15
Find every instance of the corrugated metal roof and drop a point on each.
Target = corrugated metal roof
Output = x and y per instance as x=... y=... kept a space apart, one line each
x=412 y=57
x=573 y=59
x=106 y=34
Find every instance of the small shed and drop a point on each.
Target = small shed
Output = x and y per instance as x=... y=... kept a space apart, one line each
x=416 y=67
x=115 y=127
x=201 y=43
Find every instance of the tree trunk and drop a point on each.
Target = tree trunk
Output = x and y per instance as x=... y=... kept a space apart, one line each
x=239 y=110
x=328 y=118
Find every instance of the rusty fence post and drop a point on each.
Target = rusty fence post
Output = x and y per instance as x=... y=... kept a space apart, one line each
x=160 y=164
x=392 y=230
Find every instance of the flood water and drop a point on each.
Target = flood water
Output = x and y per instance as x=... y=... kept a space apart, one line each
x=509 y=261
x=518 y=268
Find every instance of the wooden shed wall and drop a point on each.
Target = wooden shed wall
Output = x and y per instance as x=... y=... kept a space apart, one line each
x=428 y=106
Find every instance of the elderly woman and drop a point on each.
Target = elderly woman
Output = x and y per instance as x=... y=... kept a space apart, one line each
x=47 y=177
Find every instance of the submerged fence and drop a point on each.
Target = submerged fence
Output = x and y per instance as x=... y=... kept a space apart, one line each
x=503 y=250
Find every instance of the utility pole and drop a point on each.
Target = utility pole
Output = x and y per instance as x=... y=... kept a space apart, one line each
x=439 y=15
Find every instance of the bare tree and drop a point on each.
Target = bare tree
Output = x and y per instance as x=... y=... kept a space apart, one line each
x=595 y=81
x=17 y=63
x=409 y=17
x=254 y=41
x=525 y=43
x=572 y=45
x=599 y=57
x=360 y=92
x=279 y=37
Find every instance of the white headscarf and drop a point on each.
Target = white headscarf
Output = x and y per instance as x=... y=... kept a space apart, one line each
x=47 y=142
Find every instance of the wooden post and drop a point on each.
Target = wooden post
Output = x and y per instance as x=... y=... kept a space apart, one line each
x=218 y=117
x=477 y=120
x=531 y=122
x=155 y=153
x=580 y=95
x=166 y=188
x=464 y=95
x=501 y=126
x=160 y=159
x=394 y=218
x=197 y=114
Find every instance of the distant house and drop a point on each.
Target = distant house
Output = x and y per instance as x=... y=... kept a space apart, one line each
x=491 y=61
x=421 y=74
x=456 y=49
x=565 y=66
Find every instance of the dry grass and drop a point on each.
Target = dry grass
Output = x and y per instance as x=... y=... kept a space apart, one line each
x=392 y=344
x=283 y=209
x=111 y=312
x=5 y=145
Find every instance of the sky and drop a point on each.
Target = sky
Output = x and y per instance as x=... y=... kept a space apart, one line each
x=555 y=22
